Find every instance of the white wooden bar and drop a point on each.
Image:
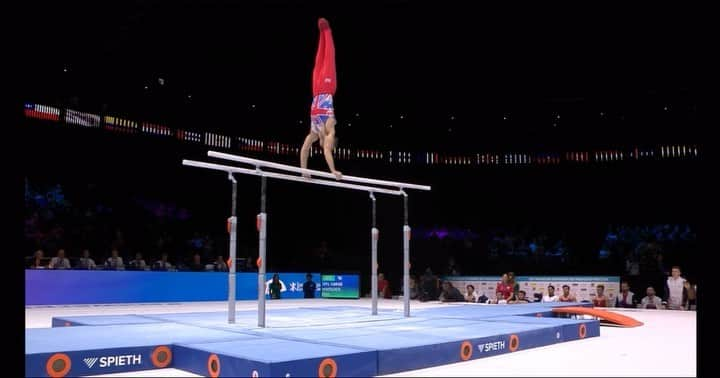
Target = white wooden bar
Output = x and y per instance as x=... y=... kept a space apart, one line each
x=281 y=176
x=312 y=172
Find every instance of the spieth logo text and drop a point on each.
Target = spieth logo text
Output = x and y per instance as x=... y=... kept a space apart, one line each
x=497 y=345
x=110 y=361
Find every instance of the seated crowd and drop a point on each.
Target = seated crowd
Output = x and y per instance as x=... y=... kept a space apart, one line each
x=116 y=262
x=679 y=293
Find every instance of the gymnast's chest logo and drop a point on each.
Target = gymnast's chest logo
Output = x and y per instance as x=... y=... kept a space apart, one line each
x=328 y=80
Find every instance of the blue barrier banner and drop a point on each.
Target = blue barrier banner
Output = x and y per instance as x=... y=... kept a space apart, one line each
x=59 y=287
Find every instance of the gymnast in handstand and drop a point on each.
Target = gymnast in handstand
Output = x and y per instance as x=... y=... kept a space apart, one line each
x=322 y=115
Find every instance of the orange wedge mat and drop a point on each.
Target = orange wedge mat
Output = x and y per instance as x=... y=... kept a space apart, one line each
x=612 y=317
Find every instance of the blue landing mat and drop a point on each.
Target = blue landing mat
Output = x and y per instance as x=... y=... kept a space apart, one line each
x=274 y=318
x=334 y=340
x=114 y=348
x=275 y=358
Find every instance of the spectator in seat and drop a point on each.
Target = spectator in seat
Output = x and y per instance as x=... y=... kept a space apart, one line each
x=37 y=260
x=309 y=287
x=163 y=263
x=450 y=293
x=499 y=298
x=138 y=263
x=114 y=262
x=625 y=298
x=383 y=287
x=197 y=265
x=86 y=262
x=470 y=294
x=675 y=292
x=566 y=296
x=600 y=299
x=520 y=298
x=220 y=265
x=482 y=298
x=60 y=261
x=651 y=301
x=550 y=297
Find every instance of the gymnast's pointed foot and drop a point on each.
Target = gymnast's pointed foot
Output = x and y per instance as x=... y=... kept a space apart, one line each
x=323 y=24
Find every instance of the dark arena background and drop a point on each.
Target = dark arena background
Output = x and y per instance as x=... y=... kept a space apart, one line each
x=557 y=144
